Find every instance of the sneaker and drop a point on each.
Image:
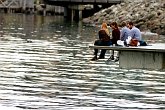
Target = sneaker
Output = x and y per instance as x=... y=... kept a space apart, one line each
x=111 y=57
x=117 y=59
x=94 y=58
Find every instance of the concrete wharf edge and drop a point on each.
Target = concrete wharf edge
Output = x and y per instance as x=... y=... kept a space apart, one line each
x=143 y=57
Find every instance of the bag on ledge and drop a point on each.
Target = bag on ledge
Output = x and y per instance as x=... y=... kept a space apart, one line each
x=133 y=42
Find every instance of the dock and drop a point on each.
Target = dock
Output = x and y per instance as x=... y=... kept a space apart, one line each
x=143 y=57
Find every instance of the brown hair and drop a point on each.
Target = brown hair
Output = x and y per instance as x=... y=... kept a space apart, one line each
x=114 y=24
x=130 y=23
x=123 y=24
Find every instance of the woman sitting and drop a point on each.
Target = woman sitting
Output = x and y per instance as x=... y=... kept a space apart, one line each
x=104 y=40
x=115 y=38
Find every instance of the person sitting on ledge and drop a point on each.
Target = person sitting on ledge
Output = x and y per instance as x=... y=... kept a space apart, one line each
x=115 y=38
x=135 y=34
x=124 y=33
x=104 y=40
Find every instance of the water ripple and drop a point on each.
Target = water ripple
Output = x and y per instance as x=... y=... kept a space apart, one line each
x=55 y=73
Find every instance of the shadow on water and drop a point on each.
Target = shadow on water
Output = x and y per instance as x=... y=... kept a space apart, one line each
x=45 y=65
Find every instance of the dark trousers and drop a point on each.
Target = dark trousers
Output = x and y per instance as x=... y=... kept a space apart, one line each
x=101 y=43
x=112 y=51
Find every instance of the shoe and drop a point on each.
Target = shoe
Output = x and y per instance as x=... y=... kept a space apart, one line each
x=111 y=57
x=94 y=58
x=117 y=59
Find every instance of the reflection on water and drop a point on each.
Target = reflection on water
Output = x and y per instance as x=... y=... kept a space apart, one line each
x=45 y=65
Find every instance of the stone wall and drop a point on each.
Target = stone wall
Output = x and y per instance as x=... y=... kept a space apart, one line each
x=146 y=14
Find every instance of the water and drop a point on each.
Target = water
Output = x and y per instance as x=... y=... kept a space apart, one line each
x=44 y=64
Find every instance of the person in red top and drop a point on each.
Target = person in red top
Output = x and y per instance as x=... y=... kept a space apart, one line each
x=115 y=38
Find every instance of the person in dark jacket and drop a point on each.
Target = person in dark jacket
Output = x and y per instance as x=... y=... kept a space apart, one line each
x=104 y=40
x=115 y=38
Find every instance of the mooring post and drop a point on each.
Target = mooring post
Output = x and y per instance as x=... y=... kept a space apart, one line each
x=65 y=12
x=24 y=5
x=80 y=14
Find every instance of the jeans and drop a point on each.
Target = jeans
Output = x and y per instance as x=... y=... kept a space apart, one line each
x=101 y=43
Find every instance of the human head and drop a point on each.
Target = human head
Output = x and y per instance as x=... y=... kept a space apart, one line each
x=104 y=25
x=114 y=25
x=123 y=24
x=130 y=25
x=127 y=24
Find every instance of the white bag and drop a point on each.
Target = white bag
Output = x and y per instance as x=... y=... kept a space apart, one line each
x=121 y=43
x=128 y=40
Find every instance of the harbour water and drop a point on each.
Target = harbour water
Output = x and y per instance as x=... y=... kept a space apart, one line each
x=44 y=65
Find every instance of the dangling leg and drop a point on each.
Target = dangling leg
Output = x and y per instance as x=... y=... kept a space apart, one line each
x=117 y=58
x=95 y=55
x=112 y=55
x=95 y=51
x=102 y=54
x=103 y=51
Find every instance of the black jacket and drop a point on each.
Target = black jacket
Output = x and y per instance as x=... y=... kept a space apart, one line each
x=103 y=36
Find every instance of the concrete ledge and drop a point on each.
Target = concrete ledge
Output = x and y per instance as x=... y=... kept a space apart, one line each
x=140 y=48
x=143 y=60
x=144 y=57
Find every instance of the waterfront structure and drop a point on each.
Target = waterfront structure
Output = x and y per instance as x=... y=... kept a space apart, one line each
x=70 y=8
x=143 y=57
x=74 y=8
x=15 y=5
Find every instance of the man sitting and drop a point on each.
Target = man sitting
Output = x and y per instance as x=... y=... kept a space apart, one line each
x=135 y=34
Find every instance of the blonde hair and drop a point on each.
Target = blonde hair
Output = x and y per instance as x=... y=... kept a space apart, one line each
x=104 y=26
